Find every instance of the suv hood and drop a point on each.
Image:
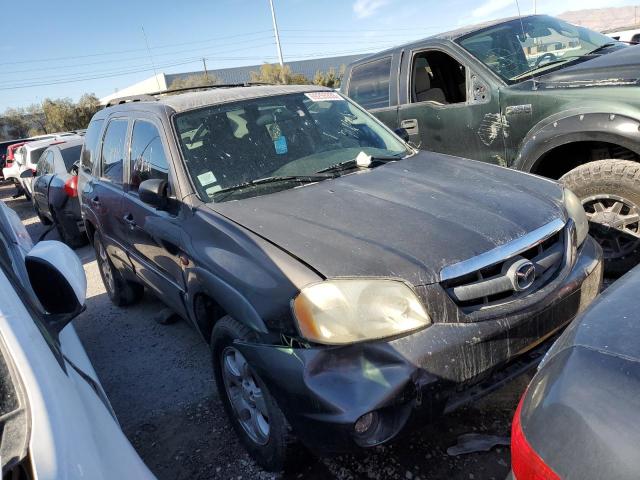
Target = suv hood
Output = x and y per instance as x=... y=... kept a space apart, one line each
x=406 y=219
x=620 y=67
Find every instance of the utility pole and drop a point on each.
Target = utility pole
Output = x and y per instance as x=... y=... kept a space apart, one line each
x=275 y=31
x=204 y=63
x=535 y=7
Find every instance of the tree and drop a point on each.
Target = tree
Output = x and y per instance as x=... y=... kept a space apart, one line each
x=275 y=74
x=201 y=80
x=330 y=78
x=16 y=122
x=59 y=115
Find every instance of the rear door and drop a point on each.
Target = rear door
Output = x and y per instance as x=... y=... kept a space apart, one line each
x=105 y=198
x=153 y=237
x=372 y=84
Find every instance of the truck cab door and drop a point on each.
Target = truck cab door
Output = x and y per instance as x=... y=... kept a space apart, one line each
x=447 y=107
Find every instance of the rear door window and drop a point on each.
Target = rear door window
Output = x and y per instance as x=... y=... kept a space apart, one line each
x=113 y=150
x=369 y=83
x=91 y=141
x=148 y=158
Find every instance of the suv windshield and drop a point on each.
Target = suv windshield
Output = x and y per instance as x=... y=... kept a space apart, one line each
x=290 y=137
x=519 y=48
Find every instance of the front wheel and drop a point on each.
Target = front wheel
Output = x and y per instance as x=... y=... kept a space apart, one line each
x=120 y=291
x=610 y=194
x=253 y=412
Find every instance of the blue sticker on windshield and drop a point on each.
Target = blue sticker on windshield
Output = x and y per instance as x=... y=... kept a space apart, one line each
x=280 y=145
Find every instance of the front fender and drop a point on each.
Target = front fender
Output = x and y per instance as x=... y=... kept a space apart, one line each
x=565 y=128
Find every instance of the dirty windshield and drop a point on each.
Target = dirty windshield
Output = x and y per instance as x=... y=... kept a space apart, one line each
x=262 y=145
x=520 y=48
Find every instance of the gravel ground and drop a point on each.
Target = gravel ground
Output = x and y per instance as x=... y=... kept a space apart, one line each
x=160 y=383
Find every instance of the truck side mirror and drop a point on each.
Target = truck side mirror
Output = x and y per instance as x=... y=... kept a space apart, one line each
x=58 y=280
x=154 y=192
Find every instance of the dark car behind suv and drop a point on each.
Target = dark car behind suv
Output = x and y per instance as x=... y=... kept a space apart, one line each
x=350 y=286
x=533 y=93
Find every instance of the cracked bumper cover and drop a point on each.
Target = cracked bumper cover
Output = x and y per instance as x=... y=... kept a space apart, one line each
x=409 y=380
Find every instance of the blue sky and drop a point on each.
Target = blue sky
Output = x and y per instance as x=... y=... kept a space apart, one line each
x=61 y=50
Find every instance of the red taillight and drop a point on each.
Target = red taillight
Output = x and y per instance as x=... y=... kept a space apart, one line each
x=525 y=462
x=71 y=187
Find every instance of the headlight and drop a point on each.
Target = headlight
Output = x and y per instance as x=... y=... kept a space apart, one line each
x=574 y=208
x=336 y=312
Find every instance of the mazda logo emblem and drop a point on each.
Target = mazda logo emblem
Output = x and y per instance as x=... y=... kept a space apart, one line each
x=525 y=275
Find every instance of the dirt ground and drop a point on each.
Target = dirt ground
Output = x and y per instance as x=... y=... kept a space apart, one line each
x=160 y=383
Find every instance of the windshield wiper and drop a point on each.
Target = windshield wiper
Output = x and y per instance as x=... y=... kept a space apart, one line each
x=538 y=67
x=353 y=163
x=601 y=47
x=276 y=179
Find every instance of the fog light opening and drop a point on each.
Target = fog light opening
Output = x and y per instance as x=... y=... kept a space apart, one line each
x=366 y=423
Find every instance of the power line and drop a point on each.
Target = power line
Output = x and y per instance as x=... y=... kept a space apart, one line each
x=118 y=52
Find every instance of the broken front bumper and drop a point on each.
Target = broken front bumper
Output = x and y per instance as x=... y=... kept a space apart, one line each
x=323 y=391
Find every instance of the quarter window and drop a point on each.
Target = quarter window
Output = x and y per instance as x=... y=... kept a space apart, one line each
x=369 y=84
x=113 y=150
x=148 y=159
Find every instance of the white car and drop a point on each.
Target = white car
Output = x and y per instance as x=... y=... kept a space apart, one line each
x=55 y=419
x=28 y=155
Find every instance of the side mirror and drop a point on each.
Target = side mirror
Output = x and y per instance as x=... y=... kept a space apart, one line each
x=58 y=280
x=403 y=134
x=28 y=173
x=154 y=192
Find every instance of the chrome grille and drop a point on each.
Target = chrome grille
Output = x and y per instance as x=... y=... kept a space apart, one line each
x=530 y=263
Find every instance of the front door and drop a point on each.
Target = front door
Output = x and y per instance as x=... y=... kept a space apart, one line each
x=449 y=109
x=44 y=174
x=154 y=237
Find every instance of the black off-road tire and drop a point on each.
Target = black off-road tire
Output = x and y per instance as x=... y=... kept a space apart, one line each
x=607 y=182
x=273 y=455
x=120 y=291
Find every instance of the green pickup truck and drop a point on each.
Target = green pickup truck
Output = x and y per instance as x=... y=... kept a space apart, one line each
x=532 y=93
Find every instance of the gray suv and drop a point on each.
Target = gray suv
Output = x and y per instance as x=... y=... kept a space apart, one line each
x=349 y=286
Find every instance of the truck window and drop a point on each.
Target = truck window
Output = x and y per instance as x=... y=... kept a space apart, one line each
x=437 y=77
x=369 y=83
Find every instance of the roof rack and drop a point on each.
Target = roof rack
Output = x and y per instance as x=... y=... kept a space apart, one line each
x=207 y=87
x=132 y=98
x=152 y=97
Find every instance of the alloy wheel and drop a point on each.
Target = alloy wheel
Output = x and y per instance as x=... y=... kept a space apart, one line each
x=615 y=224
x=246 y=397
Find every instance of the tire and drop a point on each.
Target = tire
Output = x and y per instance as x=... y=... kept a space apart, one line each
x=43 y=220
x=272 y=452
x=120 y=291
x=74 y=239
x=610 y=192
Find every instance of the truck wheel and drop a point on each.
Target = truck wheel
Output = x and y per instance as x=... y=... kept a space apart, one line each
x=253 y=412
x=610 y=193
x=120 y=291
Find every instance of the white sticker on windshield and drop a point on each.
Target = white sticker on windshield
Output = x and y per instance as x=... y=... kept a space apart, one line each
x=207 y=178
x=323 y=96
x=214 y=189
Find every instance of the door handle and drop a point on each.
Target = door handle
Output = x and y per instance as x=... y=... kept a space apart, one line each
x=128 y=219
x=95 y=201
x=409 y=123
